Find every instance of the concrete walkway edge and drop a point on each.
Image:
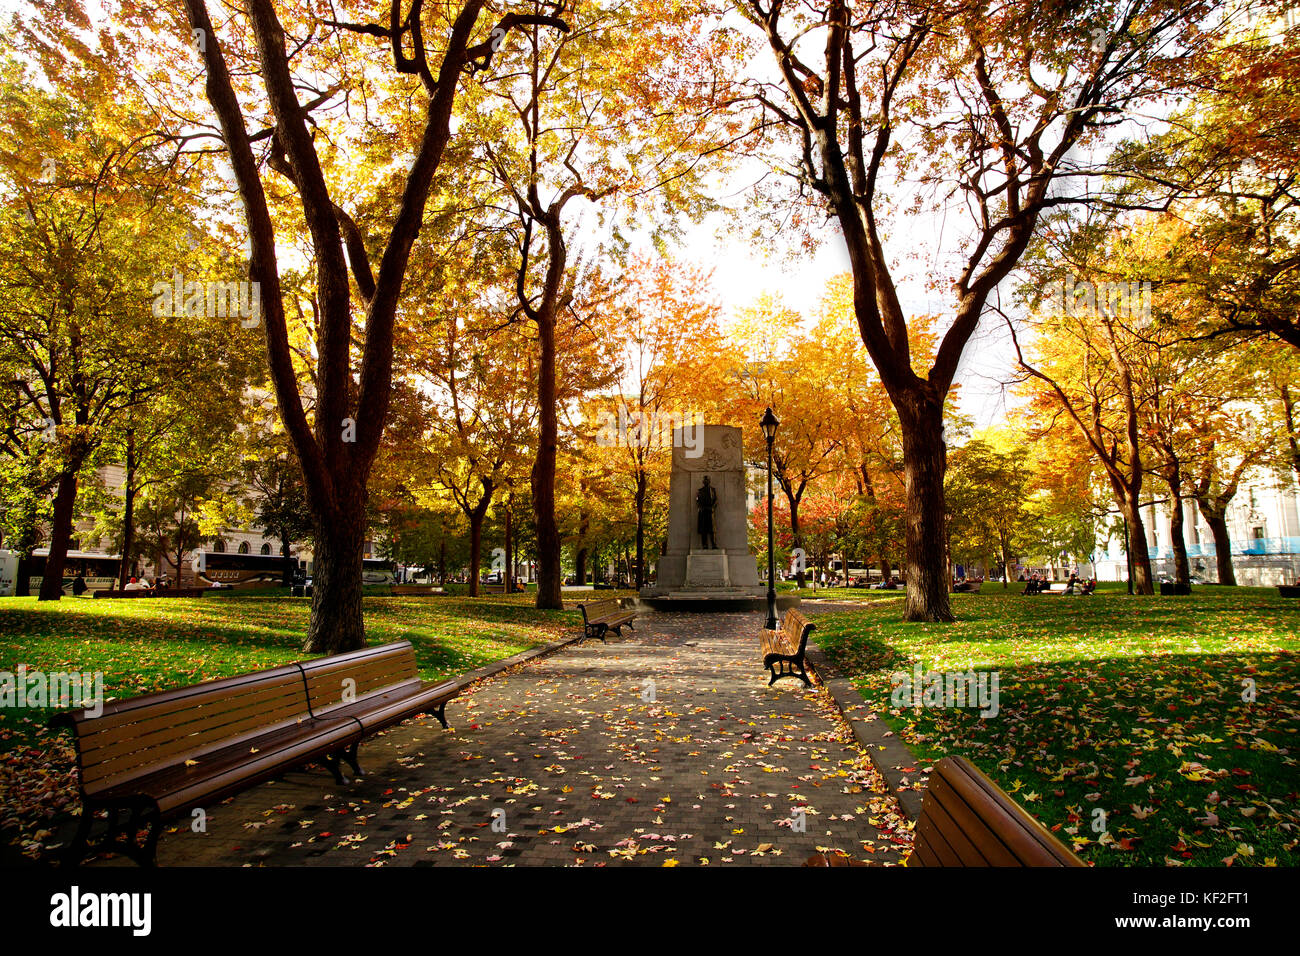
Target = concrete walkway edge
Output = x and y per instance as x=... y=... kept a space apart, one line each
x=896 y=763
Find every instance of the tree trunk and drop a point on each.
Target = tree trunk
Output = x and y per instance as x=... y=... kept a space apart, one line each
x=60 y=535
x=509 y=576
x=640 y=528
x=543 y=477
x=1139 y=550
x=475 y=549
x=1217 y=519
x=442 y=560
x=1182 y=567
x=23 y=586
x=580 y=566
x=1292 y=437
x=289 y=564
x=801 y=563
x=925 y=459
x=336 y=618
x=128 y=511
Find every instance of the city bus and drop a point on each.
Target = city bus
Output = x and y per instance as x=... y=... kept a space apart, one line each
x=374 y=572
x=100 y=571
x=231 y=569
x=377 y=571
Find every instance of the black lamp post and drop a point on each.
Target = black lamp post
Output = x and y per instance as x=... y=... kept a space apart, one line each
x=768 y=425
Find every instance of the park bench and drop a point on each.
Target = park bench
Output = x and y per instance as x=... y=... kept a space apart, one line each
x=599 y=617
x=155 y=756
x=412 y=590
x=967 y=587
x=968 y=820
x=784 y=649
x=165 y=593
x=375 y=686
x=1288 y=590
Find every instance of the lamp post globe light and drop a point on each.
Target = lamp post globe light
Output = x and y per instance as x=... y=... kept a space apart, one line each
x=768 y=424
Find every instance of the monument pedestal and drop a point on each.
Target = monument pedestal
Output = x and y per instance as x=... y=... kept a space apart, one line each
x=707 y=569
x=690 y=576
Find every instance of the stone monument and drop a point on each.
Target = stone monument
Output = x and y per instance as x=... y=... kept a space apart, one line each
x=706 y=558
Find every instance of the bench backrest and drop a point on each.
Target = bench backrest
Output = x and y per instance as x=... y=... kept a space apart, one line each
x=593 y=610
x=133 y=736
x=343 y=678
x=797 y=628
x=967 y=820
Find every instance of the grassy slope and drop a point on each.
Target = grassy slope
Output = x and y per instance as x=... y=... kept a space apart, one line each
x=1130 y=705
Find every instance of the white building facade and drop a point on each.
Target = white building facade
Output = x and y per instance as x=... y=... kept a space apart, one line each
x=1263 y=525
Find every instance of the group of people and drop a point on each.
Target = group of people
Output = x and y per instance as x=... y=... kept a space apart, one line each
x=1038 y=584
x=79 y=586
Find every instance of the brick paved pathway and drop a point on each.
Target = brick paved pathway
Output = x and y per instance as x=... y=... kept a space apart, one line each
x=577 y=759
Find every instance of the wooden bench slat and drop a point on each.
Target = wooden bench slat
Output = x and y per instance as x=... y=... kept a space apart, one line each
x=188 y=741
x=379 y=711
x=146 y=706
x=234 y=770
x=972 y=824
x=933 y=837
x=213 y=710
x=967 y=820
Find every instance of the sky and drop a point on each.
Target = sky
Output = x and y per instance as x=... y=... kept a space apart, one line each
x=742 y=274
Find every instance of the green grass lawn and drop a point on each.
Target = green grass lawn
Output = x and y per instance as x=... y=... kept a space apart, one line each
x=1130 y=705
x=146 y=645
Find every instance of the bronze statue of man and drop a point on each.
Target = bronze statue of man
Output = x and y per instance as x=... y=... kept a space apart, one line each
x=706 y=500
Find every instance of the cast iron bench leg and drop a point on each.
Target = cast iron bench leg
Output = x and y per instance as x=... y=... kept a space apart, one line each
x=332 y=761
x=441 y=714
x=350 y=755
x=76 y=851
x=149 y=852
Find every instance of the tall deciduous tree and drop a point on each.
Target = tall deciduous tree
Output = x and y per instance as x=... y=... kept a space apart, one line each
x=591 y=125
x=352 y=397
x=1001 y=101
x=82 y=226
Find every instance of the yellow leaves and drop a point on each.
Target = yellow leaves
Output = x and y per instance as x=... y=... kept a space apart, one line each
x=1198 y=772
